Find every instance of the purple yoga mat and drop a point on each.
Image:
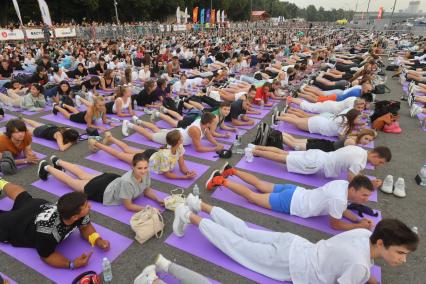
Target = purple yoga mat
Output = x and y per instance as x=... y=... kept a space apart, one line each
x=119 y=213
x=231 y=139
x=170 y=279
x=279 y=170
x=7 y=117
x=47 y=143
x=263 y=112
x=292 y=129
x=71 y=248
x=320 y=223
x=106 y=159
x=137 y=112
x=246 y=127
x=189 y=149
x=422 y=117
x=7 y=278
x=61 y=119
x=196 y=244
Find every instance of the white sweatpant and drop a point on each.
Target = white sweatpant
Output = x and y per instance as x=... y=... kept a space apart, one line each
x=261 y=251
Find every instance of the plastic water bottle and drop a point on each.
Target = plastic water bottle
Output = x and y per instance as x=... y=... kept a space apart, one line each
x=48 y=101
x=135 y=105
x=196 y=190
x=423 y=176
x=106 y=269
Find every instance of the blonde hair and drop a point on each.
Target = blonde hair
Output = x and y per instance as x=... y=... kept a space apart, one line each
x=363 y=132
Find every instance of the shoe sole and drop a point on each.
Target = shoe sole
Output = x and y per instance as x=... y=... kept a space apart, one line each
x=209 y=179
x=222 y=169
x=40 y=166
x=52 y=158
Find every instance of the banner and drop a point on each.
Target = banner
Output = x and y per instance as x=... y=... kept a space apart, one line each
x=195 y=15
x=11 y=34
x=65 y=32
x=35 y=33
x=186 y=15
x=212 y=17
x=202 y=16
x=379 y=15
x=223 y=16
x=218 y=17
x=15 y=4
x=45 y=14
x=207 y=16
x=178 y=15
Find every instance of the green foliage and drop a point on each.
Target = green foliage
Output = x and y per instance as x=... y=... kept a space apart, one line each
x=159 y=10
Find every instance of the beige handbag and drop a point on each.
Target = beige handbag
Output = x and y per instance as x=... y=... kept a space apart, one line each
x=175 y=198
x=147 y=223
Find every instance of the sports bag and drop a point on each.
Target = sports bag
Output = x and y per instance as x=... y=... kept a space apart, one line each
x=147 y=223
x=175 y=198
x=7 y=164
x=266 y=136
x=381 y=89
x=88 y=277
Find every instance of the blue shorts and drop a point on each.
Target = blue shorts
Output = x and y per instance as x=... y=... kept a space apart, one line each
x=280 y=198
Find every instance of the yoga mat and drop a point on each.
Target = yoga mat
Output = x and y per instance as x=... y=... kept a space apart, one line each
x=61 y=119
x=117 y=212
x=7 y=117
x=421 y=117
x=246 y=127
x=106 y=159
x=196 y=244
x=71 y=248
x=27 y=112
x=137 y=112
x=231 y=139
x=279 y=170
x=263 y=112
x=189 y=149
x=7 y=278
x=103 y=93
x=292 y=129
x=170 y=279
x=320 y=223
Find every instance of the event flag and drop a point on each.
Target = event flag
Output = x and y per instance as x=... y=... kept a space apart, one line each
x=45 y=14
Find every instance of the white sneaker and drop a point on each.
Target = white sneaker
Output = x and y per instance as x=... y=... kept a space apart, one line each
x=251 y=146
x=415 y=110
x=78 y=101
x=399 y=190
x=155 y=114
x=387 y=186
x=148 y=276
x=162 y=263
x=181 y=220
x=135 y=119
x=125 y=127
x=193 y=202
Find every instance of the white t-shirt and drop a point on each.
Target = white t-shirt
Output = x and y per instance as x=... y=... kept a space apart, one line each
x=344 y=259
x=349 y=158
x=329 y=199
x=144 y=75
x=178 y=87
x=326 y=126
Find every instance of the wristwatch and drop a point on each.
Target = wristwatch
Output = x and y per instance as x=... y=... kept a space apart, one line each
x=71 y=265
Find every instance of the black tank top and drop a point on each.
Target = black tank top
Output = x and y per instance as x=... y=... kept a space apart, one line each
x=49 y=132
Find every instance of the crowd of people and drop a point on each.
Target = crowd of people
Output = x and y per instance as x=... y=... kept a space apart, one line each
x=206 y=85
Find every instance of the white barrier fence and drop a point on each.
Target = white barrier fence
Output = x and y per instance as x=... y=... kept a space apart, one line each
x=35 y=33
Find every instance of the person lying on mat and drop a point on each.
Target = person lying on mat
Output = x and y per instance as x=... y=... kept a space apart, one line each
x=92 y=117
x=349 y=159
x=163 y=265
x=312 y=96
x=107 y=83
x=219 y=121
x=42 y=225
x=162 y=161
x=330 y=199
x=105 y=188
x=147 y=97
x=33 y=101
x=17 y=141
x=344 y=258
x=65 y=137
x=192 y=134
x=364 y=137
x=238 y=113
x=333 y=106
x=339 y=125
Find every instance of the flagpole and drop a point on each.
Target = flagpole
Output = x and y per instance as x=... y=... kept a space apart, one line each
x=391 y=19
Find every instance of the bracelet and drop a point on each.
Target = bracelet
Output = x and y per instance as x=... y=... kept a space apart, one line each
x=71 y=265
x=92 y=238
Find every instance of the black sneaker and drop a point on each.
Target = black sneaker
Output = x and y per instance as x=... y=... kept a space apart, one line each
x=54 y=159
x=42 y=173
x=54 y=110
x=274 y=119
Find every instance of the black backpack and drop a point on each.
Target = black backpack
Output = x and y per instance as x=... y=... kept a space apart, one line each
x=384 y=107
x=266 y=136
x=381 y=89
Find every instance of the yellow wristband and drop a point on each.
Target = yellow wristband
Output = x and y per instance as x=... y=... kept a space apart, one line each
x=92 y=238
x=3 y=183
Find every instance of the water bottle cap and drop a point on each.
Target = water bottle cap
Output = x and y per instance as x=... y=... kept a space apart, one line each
x=105 y=259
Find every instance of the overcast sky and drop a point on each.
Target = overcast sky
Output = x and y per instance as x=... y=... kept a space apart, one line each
x=362 y=4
